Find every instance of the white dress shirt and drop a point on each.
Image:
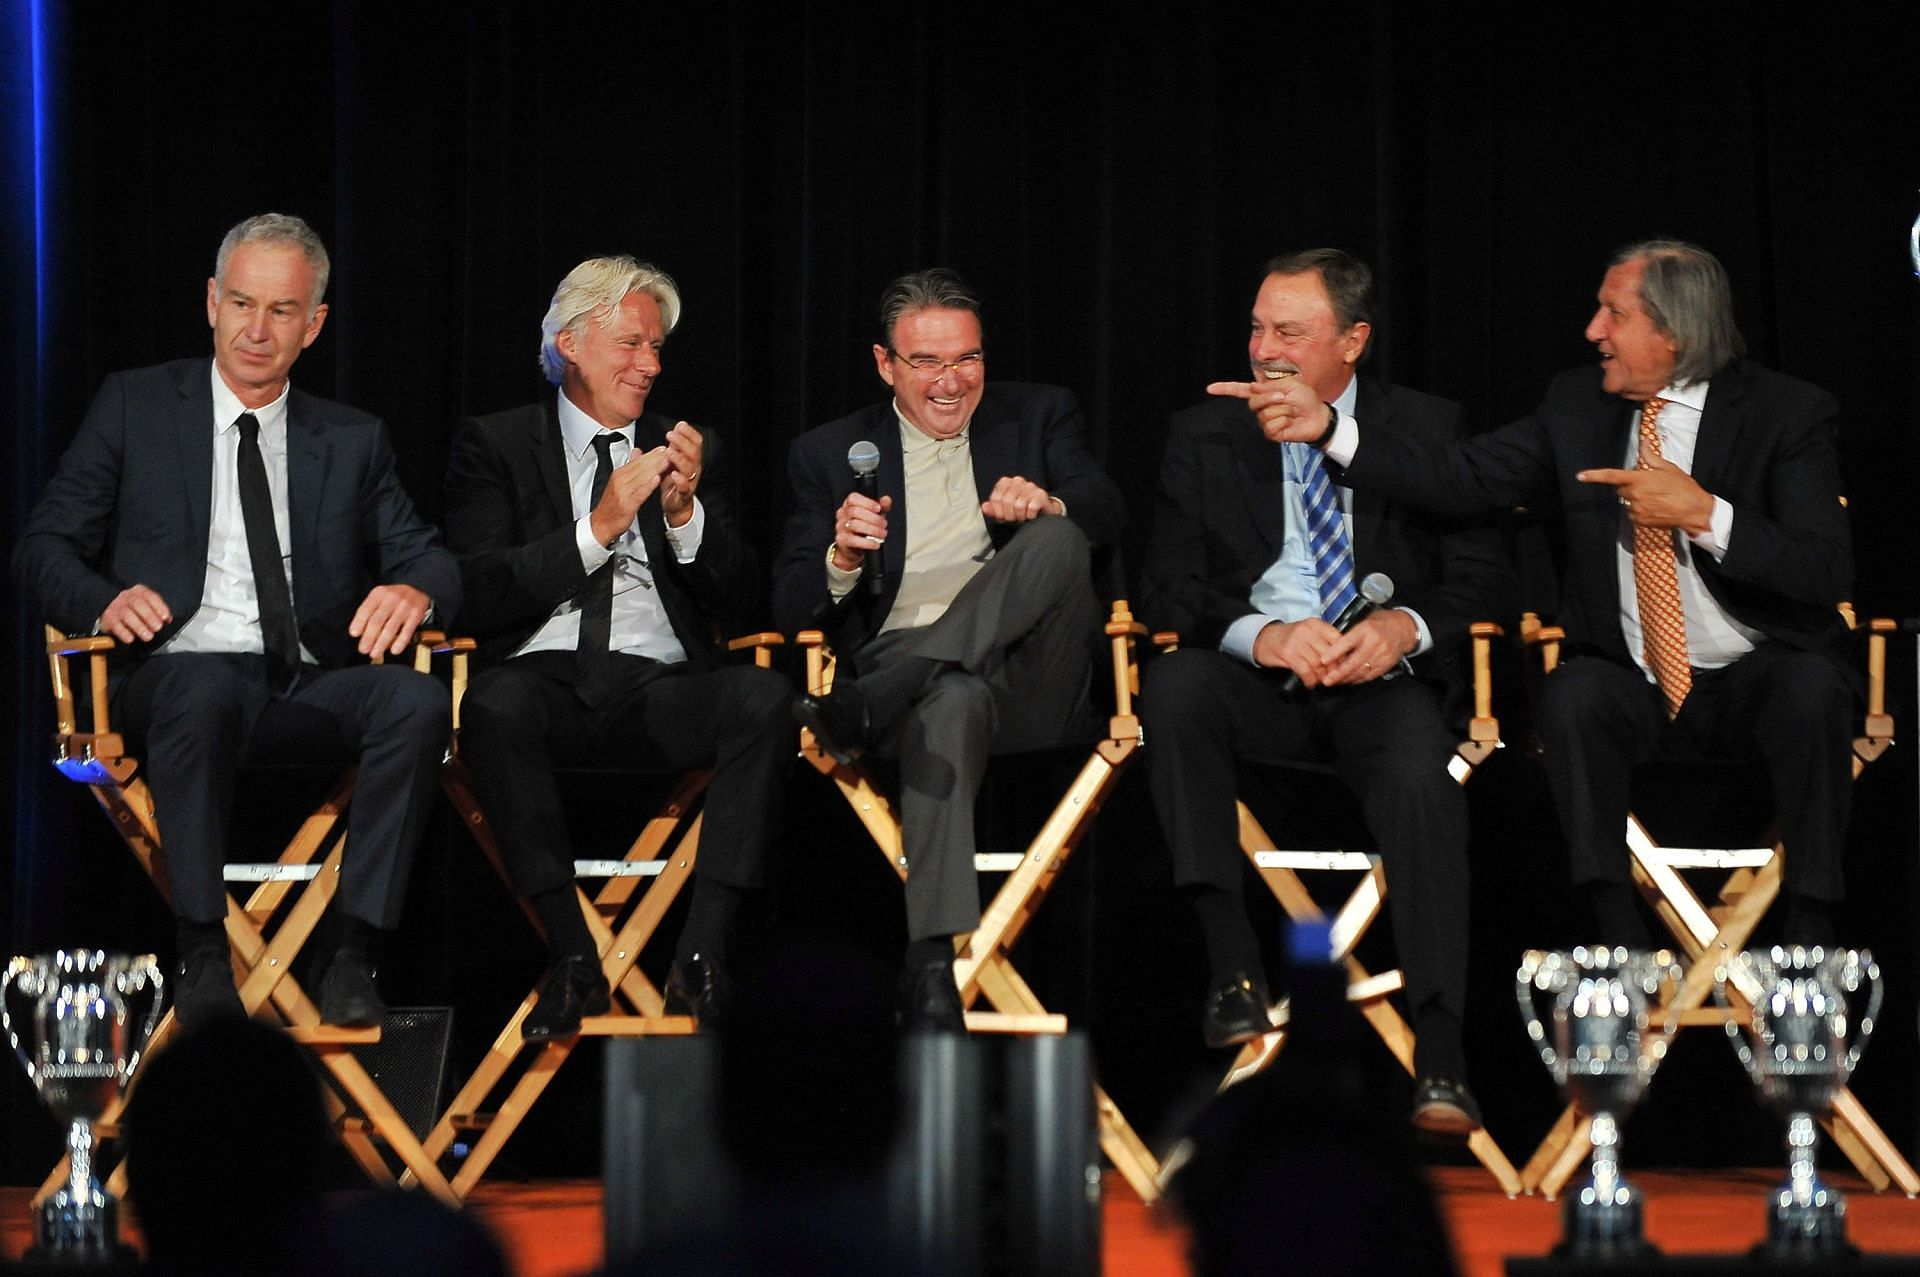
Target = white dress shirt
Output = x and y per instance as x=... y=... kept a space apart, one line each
x=640 y=624
x=227 y=618
x=1714 y=638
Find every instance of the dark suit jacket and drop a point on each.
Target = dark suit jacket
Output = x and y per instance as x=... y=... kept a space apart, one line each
x=510 y=521
x=1032 y=431
x=1766 y=444
x=131 y=504
x=1220 y=521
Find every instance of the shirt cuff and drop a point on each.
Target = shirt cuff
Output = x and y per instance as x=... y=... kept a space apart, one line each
x=685 y=539
x=840 y=583
x=1239 y=639
x=1426 y=636
x=593 y=555
x=1345 y=441
x=1719 y=533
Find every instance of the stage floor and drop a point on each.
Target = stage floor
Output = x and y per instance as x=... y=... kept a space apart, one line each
x=552 y=1228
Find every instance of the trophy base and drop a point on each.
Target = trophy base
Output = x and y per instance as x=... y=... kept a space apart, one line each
x=1603 y=1228
x=1613 y=1251
x=116 y=1257
x=1806 y=1227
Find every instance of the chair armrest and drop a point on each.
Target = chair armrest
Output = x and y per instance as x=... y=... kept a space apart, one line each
x=819 y=657
x=1484 y=727
x=1879 y=723
x=1122 y=632
x=94 y=647
x=1547 y=638
x=428 y=644
x=761 y=645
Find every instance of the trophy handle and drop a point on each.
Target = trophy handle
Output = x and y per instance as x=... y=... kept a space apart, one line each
x=1862 y=967
x=1722 y=975
x=142 y=973
x=1531 y=963
x=18 y=968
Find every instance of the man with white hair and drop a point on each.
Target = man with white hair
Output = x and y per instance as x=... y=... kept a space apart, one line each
x=218 y=524
x=601 y=566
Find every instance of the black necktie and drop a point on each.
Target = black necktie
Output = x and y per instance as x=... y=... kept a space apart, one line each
x=277 y=626
x=596 y=601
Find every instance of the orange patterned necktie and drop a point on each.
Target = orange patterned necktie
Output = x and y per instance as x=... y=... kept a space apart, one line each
x=1663 y=624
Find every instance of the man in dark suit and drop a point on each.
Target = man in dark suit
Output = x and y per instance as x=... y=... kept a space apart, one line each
x=1254 y=555
x=601 y=574
x=1706 y=553
x=218 y=524
x=959 y=595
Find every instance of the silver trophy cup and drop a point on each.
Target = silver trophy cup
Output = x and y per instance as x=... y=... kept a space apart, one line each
x=1801 y=1054
x=79 y=1041
x=1601 y=1047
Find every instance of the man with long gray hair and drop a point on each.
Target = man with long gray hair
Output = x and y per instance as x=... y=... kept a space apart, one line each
x=601 y=561
x=1707 y=550
x=217 y=524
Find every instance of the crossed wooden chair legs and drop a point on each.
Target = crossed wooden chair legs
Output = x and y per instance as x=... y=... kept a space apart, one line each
x=983 y=966
x=265 y=934
x=1710 y=933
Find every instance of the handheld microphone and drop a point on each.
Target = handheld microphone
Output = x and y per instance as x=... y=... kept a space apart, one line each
x=1376 y=590
x=864 y=460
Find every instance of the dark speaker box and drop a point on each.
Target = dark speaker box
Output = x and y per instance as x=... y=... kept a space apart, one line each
x=409 y=1062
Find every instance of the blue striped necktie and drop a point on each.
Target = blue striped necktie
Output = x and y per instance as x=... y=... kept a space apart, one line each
x=1326 y=535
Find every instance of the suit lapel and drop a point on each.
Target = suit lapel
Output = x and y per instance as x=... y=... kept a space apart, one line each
x=1263 y=475
x=882 y=427
x=306 y=480
x=1369 y=511
x=1720 y=423
x=193 y=434
x=547 y=454
x=992 y=448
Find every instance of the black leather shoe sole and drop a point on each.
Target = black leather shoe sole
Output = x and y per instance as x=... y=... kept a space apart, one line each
x=1235 y=1013
x=558 y=1012
x=1444 y=1109
x=929 y=1001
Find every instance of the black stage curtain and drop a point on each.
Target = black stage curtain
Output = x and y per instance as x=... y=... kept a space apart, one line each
x=1111 y=186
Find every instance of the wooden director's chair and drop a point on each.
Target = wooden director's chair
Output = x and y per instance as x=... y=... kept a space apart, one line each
x=984 y=968
x=265 y=934
x=1711 y=931
x=622 y=915
x=1281 y=870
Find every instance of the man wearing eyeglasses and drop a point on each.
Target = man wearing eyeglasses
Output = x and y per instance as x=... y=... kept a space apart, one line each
x=957 y=595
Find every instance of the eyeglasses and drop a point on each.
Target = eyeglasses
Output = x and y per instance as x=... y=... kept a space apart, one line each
x=931 y=369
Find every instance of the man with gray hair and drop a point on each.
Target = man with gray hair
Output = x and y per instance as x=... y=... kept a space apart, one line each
x=1707 y=549
x=957 y=595
x=218 y=524
x=601 y=563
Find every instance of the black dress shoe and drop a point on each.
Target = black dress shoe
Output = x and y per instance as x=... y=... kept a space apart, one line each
x=839 y=721
x=1445 y=1108
x=573 y=986
x=699 y=986
x=1236 y=1012
x=203 y=991
x=929 y=1000
x=348 y=997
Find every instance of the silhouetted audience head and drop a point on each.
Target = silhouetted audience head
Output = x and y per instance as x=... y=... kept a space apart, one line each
x=227 y=1140
x=397 y=1234
x=1297 y=1171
